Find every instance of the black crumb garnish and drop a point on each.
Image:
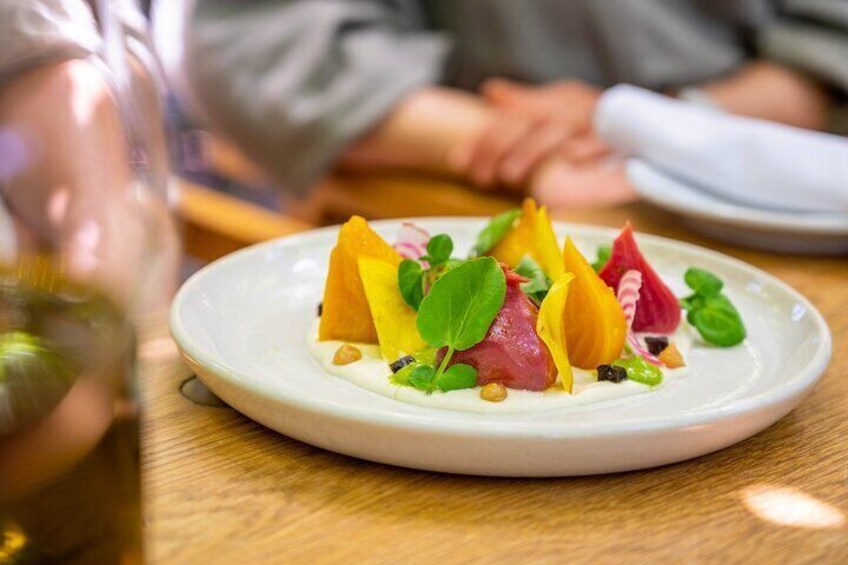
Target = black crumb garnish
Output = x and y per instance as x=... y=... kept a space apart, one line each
x=656 y=345
x=320 y=308
x=401 y=363
x=612 y=373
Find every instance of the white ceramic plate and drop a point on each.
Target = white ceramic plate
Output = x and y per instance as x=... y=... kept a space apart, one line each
x=242 y=325
x=787 y=232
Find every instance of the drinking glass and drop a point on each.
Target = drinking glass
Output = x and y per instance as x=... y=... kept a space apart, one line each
x=87 y=254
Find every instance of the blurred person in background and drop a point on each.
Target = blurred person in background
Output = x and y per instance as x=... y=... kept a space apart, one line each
x=498 y=92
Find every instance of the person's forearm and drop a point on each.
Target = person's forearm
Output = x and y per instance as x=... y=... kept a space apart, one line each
x=420 y=133
x=772 y=92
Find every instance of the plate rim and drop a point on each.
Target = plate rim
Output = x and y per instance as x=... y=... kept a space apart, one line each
x=734 y=213
x=774 y=396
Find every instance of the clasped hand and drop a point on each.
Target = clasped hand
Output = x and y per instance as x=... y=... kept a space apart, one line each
x=541 y=140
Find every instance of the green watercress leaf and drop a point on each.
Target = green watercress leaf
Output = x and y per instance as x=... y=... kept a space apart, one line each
x=640 y=370
x=538 y=285
x=703 y=282
x=411 y=282
x=452 y=263
x=494 y=232
x=604 y=253
x=461 y=305
x=718 y=322
x=427 y=356
x=457 y=377
x=692 y=302
x=439 y=250
x=456 y=313
x=421 y=377
x=435 y=273
x=711 y=312
x=401 y=378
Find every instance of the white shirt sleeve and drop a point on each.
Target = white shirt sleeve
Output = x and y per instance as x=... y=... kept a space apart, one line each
x=751 y=161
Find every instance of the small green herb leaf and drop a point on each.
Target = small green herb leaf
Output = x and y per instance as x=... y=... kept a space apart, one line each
x=427 y=356
x=703 y=282
x=711 y=312
x=401 y=378
x=538 y=285
x=604 y=254
x=411 y=282
x=494 y=232
x=435 y=273
x=640 y=371
x=421 y=377
x=692 y=302
x=439 y=250
x=718 y=322
x=461 y=305
x=451 y=263
x=457 y=377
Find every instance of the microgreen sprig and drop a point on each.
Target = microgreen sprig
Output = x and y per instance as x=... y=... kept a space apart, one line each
x=710 y=311
x=538 y=283
x=413 y=278
x=604 y=254
x=456 y=314
x=494 y=232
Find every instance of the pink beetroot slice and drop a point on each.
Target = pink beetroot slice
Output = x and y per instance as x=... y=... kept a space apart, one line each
x=658 y=310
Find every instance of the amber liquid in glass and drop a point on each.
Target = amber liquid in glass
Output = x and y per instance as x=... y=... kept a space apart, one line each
x=69 y=437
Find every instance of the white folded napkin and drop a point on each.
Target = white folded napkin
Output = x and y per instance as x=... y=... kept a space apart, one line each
x=751 y=161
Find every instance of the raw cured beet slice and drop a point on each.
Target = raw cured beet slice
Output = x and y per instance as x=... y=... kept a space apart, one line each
x=659 y=310
x=511 y=353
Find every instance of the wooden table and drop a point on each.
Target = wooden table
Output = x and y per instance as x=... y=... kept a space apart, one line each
x=222 y=489
x=214 y=224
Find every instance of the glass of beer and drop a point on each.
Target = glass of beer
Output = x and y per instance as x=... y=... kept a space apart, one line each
x=87 y=253
x=69 y=438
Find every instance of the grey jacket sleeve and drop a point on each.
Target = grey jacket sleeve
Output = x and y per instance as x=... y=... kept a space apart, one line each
x=812 y=36
x=294 y=81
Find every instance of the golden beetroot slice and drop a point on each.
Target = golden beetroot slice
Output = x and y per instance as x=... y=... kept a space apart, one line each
x=533 y=235
x=550 y=326
x=593 y=322
x=394 y=320
x=658 y=309
x=346 y=312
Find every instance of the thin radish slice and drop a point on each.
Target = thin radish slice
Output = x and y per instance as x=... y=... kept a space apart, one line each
x=628 y=296
x=412 y=241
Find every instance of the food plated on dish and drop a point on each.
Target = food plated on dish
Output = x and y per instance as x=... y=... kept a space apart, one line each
x=522 y=322
x=242 y=323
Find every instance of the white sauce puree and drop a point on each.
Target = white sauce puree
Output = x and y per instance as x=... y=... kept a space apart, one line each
x=372 y=373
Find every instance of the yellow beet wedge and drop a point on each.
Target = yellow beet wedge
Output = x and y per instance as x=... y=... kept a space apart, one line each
x=547 y=249
x=595 y=329
x=346 y=314
x=550 y=326
x=533 y=235
x=394 y=320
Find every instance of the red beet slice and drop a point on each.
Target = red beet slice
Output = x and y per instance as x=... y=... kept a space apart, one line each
x=511 y=353
x=658 y=309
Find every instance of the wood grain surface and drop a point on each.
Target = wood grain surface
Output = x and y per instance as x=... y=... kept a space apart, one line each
x=222 y=489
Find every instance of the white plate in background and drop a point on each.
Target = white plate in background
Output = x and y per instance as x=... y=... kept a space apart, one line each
x=740 y=224
x=241 y=324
